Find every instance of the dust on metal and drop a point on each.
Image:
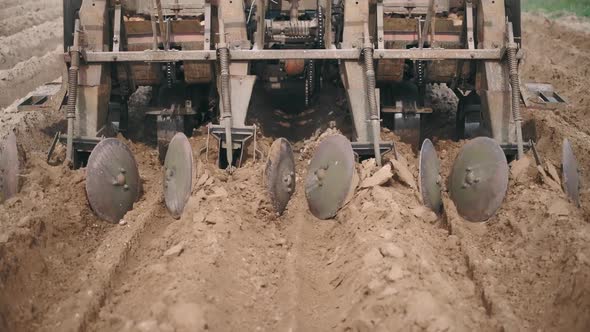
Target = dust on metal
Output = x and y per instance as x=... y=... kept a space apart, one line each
x=571 y=173
x=479 y=179
x=9 y=167
x=112 y=180
x=330 y=176
x=280 y=174
x=305 y=54
x=178 y=174
x=430 y=180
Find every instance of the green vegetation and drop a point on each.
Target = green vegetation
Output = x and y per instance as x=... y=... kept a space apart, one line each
x=558 y=7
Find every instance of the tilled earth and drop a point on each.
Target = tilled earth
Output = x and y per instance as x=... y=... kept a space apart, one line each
x=384 y=263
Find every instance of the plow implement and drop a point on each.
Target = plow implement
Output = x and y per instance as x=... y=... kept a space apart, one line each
x=202 y=60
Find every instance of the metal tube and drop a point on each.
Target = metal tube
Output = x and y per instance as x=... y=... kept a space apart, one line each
x=154 y=25
x=294 y=13
x=371 y=95
x=225 y=92
x=427 y=23
x=72 y=93
x=161 y=21
x=320 y=54
x=515 y=83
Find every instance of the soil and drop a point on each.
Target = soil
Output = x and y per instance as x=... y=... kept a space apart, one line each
x=384 y=263
x=30 y=46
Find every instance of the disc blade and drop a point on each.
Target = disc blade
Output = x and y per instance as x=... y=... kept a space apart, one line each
x=479 y=179
x=9 y=167
x=430 y=181
x=407 y=127
x=280 y=174
x=178 y=174
x=571 y=174
x=112 y=180
x=329 y=176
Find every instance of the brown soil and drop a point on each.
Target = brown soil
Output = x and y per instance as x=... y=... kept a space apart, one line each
x=384 y=263
x=30 y=46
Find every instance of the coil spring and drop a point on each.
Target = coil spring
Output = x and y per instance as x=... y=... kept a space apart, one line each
x=225 y=83
x=299 y=29
x=73 y=91
x=515 y=82
x=370 y=71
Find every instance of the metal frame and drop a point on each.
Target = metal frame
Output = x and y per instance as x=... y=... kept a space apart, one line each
x=246 y=55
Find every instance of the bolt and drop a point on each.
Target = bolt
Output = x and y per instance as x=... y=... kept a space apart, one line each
x=321 y=173
x=122 y=170
x=126 y=187
x=121 y=179
x=470 y=178
x=287 y=179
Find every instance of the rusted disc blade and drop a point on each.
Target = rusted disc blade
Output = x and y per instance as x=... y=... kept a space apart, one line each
x=178 y=174
x=479 y=179
x=280 y=174
x=430 y=181
x=571 y=174
x=329 y=176
x=9 y=167
x=112 y=180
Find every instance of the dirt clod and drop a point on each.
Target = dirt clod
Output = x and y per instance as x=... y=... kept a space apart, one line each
x=403 y=174
x=391 y=250
x=174 y=250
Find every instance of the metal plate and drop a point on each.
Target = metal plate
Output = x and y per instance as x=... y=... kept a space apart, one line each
x=9 y=167
x=407 y=127
x=178 y=174
x=571 y=173
x=280 y=174
x=430 y=180
x=329 y=176
x=479 y=179
x=167 y=126
x=112 y=180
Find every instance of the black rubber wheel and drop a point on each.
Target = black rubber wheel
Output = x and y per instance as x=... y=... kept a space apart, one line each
x=71 y=9
x=513 y=11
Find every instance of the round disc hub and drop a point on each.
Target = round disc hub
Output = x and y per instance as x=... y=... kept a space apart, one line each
x=178 y=174
x=479 y=179
x=330 y=176
x=112 y=180
x=9 y=167
x=280 y=174
x=430 y=180
x=571 y=173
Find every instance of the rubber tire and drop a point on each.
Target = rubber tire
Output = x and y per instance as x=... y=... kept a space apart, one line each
x=513 y=11
x=70 y=13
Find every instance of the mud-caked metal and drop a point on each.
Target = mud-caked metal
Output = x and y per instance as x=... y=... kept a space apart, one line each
x=468 y=39
x=225 y=46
